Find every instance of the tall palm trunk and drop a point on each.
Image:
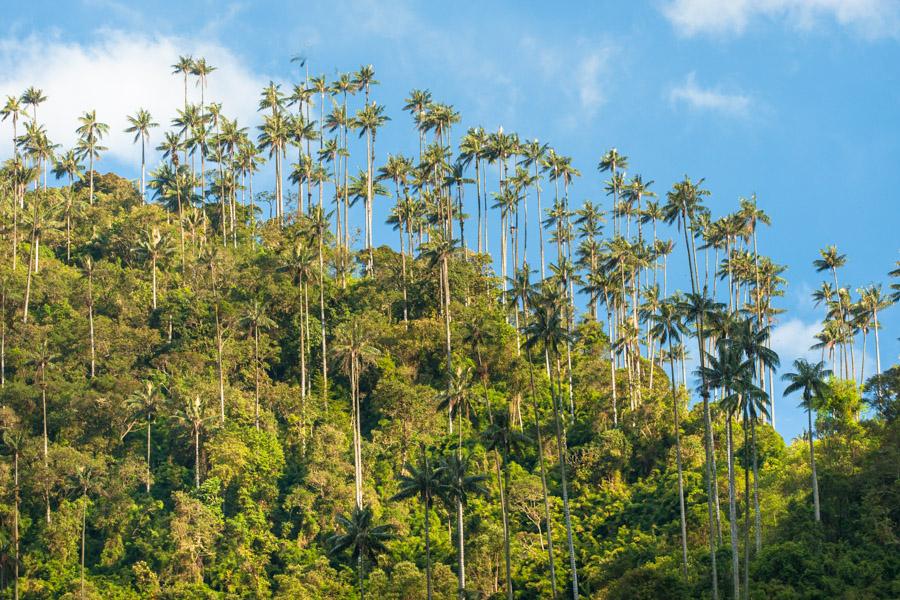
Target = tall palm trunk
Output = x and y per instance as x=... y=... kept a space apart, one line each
x=91 y=321
x=196 y=456
x=732 y=509
x=677 y=425
x=219 y=366
x=744 y=426
x=460 y=550
x=540 y=448
x=148 y=454
x=757 y=515
x=503 y=483
x=256 y=376
x=153 y=269
x=712 y=499
x=561 y=452
x=16 y=523
x=877 y=343
x=428 y=591
x=322 y=322
x=83 y=527
x=143 y=169
x=812 y=463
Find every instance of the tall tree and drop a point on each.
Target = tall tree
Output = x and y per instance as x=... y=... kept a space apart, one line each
x=140 y=125
x=423 y=480
x=144 y=404
x=90 y=132
x=363 y=538
x=811 y=381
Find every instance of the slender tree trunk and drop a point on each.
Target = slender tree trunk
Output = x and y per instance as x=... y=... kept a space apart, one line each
x=91 y=322
x=684 y=554
x=83 y=527
x=460 y=550
x=322 y=323
x=540 y=445
x=812 y=463
x=877 y=343
x=143 y=170
x=256 y=376
x=744 y=426
x=154 y=281
x=757 y=515
x=197 y=457
x=219 y=365
x=711 y=483
x=732 y=511
x=91 y=176
x=503 y=483
x=428 y=550
x=561 y=451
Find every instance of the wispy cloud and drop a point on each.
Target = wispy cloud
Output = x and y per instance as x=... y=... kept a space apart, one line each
x=793 y=338
x=870 y=18
x=696 y=97
x=580 y=71
x=116 y=75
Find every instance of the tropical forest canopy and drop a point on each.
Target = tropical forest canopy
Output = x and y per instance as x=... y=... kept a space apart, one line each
x=210 y=389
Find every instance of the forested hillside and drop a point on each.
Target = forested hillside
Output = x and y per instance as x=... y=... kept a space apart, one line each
x=221 y=383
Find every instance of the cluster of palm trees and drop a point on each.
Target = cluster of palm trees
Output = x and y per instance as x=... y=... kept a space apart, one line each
x=205 y=180
x=845 y=319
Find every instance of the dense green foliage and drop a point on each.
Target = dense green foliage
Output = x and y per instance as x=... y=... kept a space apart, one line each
x=176 y=425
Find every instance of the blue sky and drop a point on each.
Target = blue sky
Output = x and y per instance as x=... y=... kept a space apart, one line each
x=797 y=101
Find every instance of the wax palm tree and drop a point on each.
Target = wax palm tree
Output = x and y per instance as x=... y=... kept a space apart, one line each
x=459 y=400
x=458 y=485
x=87 y=480
x=729 y=371
x=12 y=110
x=437 y=254
x=424 y=481
x=613 y=162
x=872 y=300
x=90 y=132
x=354 y=350
x=472 y=148
x=274 y=136
x=255 y=319
x=144 y=404
x=184 y=66
x=140 y=125
x=43 y=219
x=753 y=341
x=668 y=327
x=33 y=97
x=154 y=246
x=14 y=439
x=193 y=414
x=368 y=121
x=811 y=381
x=416 y=104
x=67 y=165
x=398 y=169
x=501 y=438
x=683 y=205
x=363 y=539
x=201 y=70
x=299 y=264
x=547 y=329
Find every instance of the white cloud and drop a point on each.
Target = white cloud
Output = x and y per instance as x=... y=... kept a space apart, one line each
x=579 y=70
x=700 y=98
x=871 y=18
x=793 y=338
x=115 y=75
